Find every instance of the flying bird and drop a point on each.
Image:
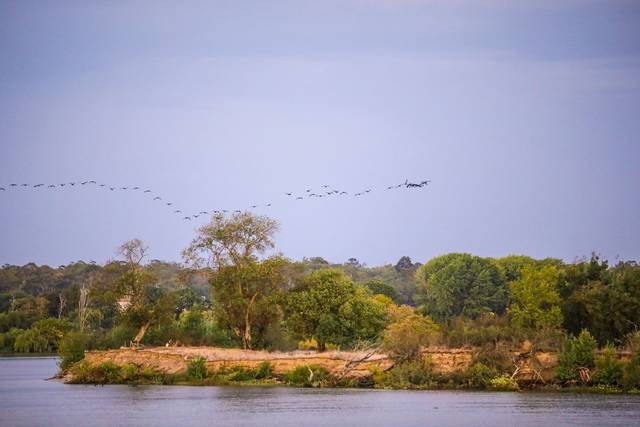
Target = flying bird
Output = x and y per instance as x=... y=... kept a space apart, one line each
x=147 y=191
x=177 y=211
x=187 y=218
x=288 y=194
x=169 y=204
x=157 y=198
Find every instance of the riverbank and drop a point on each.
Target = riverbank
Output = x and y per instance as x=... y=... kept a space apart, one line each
x=438 y=369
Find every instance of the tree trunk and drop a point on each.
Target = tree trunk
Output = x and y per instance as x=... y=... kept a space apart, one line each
x=246 y=336
x=141 y=332
x=322 y=346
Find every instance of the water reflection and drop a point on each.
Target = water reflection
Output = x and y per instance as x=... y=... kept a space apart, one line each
x=25 y=399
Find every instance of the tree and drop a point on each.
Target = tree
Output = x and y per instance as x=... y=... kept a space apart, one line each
x=231 y=241
x=535 y=302
x=379 y=287
x=404 y=339
x=244 y=296
x=327 y=306
x=461 y=284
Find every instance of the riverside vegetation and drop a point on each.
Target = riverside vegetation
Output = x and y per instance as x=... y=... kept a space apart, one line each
x=228 y=294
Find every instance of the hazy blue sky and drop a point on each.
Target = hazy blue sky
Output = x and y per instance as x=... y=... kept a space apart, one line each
x=525 y=115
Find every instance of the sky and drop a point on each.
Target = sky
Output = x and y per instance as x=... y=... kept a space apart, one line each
x=524 y=115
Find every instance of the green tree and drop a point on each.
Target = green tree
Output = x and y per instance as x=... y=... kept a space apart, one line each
x=379 y=287
x=575 y=353
x=43 y=337
x=245 y=297
x=461 y=284
x=233 y=240
x=327 y=306
x=535 y=302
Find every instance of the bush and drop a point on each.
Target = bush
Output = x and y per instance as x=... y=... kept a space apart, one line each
x=631 y=373
x=71 y=349
x=404 y=339
x=609 y=369
x=576 y=352
x=197 y=369
x=264 y=370
x=477 y=375
x=408 y=374
x=503 y=383
x=307 y=376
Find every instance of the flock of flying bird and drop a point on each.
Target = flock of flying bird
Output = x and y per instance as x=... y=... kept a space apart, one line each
x=327 y=191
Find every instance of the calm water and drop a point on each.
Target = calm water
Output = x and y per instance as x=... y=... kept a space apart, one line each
x=27 y=400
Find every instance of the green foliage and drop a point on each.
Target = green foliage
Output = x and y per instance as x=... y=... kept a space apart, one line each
x=609 y=369
x=503 y=383
x=461 y=285
x=409 y=374
x=72 y=348
x=535 y=302
x=43 y=336
x=404 y=339
x=307 y=376
x=576 y=352
x=245 y=296
x=477 y=376
x=327 y=306
x=631 y=372
x=487 y=330
x=379 y=287
x=197 y=369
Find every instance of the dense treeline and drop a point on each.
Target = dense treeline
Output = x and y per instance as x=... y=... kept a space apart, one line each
x=227 y=293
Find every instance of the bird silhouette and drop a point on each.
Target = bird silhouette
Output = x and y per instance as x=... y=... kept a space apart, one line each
x=135 y=188
x=169 y=204
x=52 y=186
x=157 y=198
x=177 y=211
x=254 y=206
x=196 y=216
x=268 y=204
x=204 y=213
x=147 y=191
x=187 y=218
x=123 y=188
x=237 y=211
x=13 y=185
x=2 y=189
x=288 y=194
x=299 y=198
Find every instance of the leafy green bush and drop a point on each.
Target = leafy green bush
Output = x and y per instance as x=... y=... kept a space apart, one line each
x=631 y=373
x=71 y=348
x=416 y=373
x=264 y=370
x=477 y=375
x=503 y=383
x=576 y=352
x=197 y=369
x=609 y=369
x=307 y=376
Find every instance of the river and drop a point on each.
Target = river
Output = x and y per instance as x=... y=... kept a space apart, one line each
x=26 y=399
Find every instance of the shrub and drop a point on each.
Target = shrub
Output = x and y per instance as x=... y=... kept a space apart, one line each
x=631 y=372
x=264 y=370
x=71 y=348
x=197 y=369
x=404 y=339
x=407 y=374
x=608 y=368
x=110 y=371
x=307 y=376
x=576 y=352
x=477 y=375
x=503 y=383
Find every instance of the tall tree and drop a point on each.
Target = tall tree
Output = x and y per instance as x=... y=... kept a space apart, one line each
x=327 y=306
x=234 y=240
x=245 y=297
x=535 y=301
x=461 y=285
